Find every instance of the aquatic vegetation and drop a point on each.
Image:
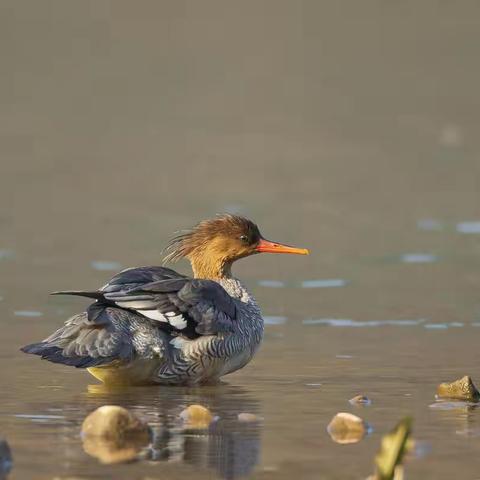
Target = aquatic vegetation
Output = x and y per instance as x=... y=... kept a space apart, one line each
x=394 y=445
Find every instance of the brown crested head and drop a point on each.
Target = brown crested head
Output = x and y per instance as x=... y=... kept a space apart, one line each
x=213 y=245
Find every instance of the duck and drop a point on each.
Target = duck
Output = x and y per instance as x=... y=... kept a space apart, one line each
x=153 y=325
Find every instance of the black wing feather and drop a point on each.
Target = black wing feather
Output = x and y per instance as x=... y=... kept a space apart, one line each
x=179 y=303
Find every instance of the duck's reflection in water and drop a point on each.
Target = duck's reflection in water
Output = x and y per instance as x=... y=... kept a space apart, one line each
x=230 y=445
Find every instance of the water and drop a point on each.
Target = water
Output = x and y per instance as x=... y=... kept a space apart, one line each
x=348 y=128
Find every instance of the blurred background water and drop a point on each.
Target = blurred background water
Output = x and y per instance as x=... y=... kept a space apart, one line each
x=350 y=128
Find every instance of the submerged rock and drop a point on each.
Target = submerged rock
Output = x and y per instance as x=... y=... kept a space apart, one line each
x=347 y=428
x=112 y=421
x=360 y=400
x=5 y=459
x=196 y=417
x=462 y=389
x=112 y=434
x=247 y=417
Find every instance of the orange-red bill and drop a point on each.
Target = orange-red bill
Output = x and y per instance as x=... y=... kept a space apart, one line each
x=265 y=246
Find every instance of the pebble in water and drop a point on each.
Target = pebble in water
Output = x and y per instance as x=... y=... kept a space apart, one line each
x=462 y=389
x=360 y=400
x=5 y=459
x=247 y=417
x=112 y=434
x=196 y=417
x=347 y=428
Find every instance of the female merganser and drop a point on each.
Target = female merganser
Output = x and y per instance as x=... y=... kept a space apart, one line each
x=154 y=325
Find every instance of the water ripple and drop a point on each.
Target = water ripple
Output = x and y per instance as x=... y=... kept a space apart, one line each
x=418 y=258
x=347 y=322
x=274 y=320
x=27 y=313
x=103 y=265
x=468 y=227
x=429 y=224
x=325 y=283
x=271 y=283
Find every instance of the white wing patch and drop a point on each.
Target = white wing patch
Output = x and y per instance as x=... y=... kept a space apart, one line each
x=177 y=321
x=174 y=319
x=134 y=305
x=154 y=315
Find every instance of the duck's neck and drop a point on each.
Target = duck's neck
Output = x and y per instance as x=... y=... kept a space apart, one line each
x=213 y=269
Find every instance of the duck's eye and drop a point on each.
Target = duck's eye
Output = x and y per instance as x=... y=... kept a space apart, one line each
x=244 y=238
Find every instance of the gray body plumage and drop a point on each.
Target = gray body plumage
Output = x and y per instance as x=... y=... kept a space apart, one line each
x=209 y=357
x=153 y=325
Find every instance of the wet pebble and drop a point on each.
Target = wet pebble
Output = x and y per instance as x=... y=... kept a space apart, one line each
x=347 y=428
x=462 y=389
x=113 y=421
x=360 y=400
x=196 y=417
x=6 y=461
x=112 y=434
x=247 y=417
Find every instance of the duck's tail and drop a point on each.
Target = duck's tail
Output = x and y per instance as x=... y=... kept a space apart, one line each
x=81 y=293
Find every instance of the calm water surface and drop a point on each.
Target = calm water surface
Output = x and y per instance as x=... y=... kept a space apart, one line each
x=345 y=128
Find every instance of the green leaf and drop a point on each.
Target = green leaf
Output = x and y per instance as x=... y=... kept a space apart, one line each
x=392 y=449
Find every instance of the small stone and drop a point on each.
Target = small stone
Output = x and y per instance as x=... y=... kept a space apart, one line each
x=112 y=434
x=5 y=459
x=347 y=428
x=247 y=417
x=360 y=400
x=114 y=422
x=196 y=417
x=462 y=389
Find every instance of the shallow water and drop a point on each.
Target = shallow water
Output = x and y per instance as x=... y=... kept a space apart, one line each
x=348 y=128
